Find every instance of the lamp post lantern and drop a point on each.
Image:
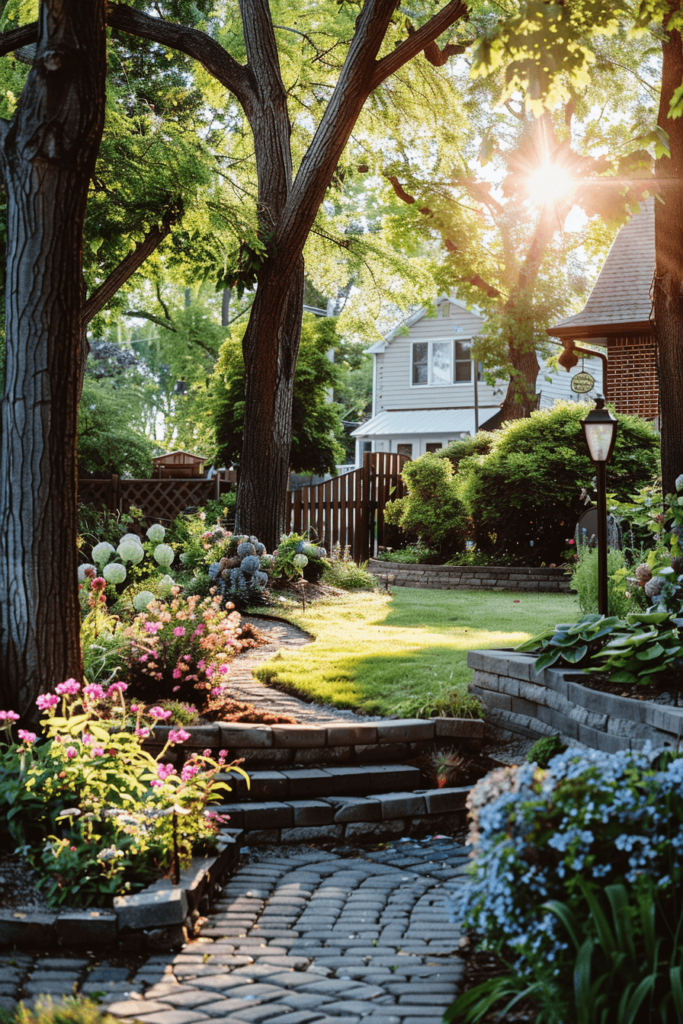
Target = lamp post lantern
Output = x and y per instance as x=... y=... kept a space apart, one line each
x=600 y=432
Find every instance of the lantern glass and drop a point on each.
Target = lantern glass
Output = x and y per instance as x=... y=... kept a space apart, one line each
x=599 y=440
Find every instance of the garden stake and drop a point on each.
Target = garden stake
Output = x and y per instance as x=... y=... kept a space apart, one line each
x=175 y=877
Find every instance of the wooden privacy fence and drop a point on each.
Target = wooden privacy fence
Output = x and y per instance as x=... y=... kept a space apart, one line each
x=158 y=499
x=348 y=510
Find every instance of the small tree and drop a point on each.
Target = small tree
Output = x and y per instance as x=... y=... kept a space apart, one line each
x=316 y=423
x=432 y=509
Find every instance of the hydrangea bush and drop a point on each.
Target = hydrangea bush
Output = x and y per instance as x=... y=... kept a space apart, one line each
x=599 y=818
x=90 y=809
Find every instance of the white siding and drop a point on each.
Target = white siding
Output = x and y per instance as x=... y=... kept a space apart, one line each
x=560 y=385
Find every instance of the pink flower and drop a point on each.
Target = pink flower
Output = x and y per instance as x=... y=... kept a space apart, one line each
x=47 y=701
x=179 y=631
x=207 y=752
x=201 y=665
x=189 y=772
x=98 y=752
x=117 y=688
x=178 y=736
x=153 y=627
x=27 y=737
x=142 y=733
x=158 y=712
x=164 y=771
x=87 y=739
x=9 y=716
x=156 y=782
x=177 y=673
x=222 y=753
x=69 y=686
x=134 y=708
x=98 y=583
x=199 y=630
x=175 y=689
x=217 y=690
x=94 y=691
x=143 y=657
x=187 y=657
x=223 y=669
x=71 y=752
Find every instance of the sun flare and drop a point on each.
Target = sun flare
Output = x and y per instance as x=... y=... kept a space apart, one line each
x=549 y=183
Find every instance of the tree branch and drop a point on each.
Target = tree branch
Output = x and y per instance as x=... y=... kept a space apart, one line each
x=127 y=267
x=418 y=41
x=475 y=279
x=399 y=190
x=150 y=316
x=18 y=37
x=191 y=41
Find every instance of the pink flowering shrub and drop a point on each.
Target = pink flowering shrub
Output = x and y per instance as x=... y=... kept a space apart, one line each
x=91 y=808
x=181 y=650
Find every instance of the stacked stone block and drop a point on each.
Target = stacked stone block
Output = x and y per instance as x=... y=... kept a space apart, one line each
x=485 y=577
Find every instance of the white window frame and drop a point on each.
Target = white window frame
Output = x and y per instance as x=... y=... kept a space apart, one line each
x=440 y=384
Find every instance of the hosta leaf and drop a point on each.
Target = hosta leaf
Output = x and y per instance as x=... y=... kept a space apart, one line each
x=623 y=677
x=647 y=618
x=576 y=654
x=650 y=653
x=548 y=658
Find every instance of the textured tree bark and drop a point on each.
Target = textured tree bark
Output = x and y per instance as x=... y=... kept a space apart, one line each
x=668 y=302
x=48 y=156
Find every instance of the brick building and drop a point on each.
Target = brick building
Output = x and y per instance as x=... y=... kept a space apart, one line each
x=617 y=317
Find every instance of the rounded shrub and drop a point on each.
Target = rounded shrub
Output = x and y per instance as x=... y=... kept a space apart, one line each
x=524 y=495
x=141 y=600
x=432 y=510
x=114 y=573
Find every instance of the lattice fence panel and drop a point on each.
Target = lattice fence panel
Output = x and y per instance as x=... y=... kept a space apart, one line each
x=97 y=492
x=165 y=499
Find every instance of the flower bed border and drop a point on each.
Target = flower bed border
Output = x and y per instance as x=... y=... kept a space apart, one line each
x=522 y=701
x=485 y=577
x=156 y=918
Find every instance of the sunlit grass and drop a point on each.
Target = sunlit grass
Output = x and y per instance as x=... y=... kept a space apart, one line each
x=405 y=653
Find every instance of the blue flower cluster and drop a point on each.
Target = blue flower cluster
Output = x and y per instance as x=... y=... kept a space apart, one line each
x=601 y=817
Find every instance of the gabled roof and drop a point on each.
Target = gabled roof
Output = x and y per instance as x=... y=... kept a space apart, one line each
x=190 y=455
x=620 y=299
x=419 y=314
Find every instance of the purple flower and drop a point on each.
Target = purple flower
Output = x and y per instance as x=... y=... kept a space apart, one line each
x=47 y=701
x=94 y=691
x=68 y=686
x=178 y=736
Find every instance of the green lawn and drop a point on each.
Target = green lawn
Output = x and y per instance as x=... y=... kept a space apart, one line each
x=407 y=653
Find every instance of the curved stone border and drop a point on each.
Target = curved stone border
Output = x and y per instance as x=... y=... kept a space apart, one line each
x=486 y=577
x=155 y=918
x=522 y=701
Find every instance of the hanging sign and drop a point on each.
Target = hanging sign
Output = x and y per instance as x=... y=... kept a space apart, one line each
x=582 y=382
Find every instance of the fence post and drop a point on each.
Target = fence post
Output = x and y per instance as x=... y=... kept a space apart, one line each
x=115 y=494
x=365 y=499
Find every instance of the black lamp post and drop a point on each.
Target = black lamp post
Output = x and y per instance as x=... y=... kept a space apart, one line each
x=600 y=432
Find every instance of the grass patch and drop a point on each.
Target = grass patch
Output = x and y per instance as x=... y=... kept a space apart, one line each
x=405 y=654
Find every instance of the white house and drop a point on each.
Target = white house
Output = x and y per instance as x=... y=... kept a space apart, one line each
x=424 y=392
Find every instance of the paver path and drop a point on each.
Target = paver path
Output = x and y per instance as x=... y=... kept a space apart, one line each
x=243 y=686
x=318 y=937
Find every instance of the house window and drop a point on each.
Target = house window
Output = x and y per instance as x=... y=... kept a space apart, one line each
x=405 y=449
x=431 y=363
x=433 y=446
x=462 y=361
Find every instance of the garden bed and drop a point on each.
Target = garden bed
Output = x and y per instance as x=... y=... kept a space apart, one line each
x=159 y=917
x=520 y=700
x=486 y=577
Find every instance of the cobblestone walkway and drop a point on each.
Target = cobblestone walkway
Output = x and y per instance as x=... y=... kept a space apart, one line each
x=319 y=937
x=243 y=686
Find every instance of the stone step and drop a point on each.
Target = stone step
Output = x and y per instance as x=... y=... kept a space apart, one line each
x=309 y=783
x=343 y=743
x=382 y=815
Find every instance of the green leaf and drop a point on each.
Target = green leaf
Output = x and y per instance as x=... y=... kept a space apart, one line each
x=548 y=658
x=650 y=653
x=576 y=654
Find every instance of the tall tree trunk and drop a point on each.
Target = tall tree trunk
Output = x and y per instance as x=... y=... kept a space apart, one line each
x=520 y=397
x=271 y=349
x=668 y=302
x=225 y=307
x=49 y=153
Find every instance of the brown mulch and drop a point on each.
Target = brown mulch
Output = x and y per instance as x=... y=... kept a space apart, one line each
x=669 y=686
x=227 y=709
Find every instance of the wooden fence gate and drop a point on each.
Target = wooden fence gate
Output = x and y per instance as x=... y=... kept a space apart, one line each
x=348 y=510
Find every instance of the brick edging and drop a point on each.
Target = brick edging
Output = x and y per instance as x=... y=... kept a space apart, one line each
x=520 y=700
x=487 y=577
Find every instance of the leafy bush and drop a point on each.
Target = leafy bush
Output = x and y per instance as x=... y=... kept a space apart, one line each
x=341 y=571
x=524 y=496
x=585 y=581
x=546 y=844
x=453 y=704
x=636 y=650
x=107 y=443
x=543 y=750
x=90 y=808
x=432 y=509
x=67 y=1010
x=413 y=554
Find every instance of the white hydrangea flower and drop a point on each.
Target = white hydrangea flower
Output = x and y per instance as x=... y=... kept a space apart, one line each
x=300 y=561
x=141 y=600
x=156 y=532
x=114 y=573
x=165 y=586
x=130 y=551
x=102 y=552
x=81 y=570
x=679 y=482
x=164 y=554
x=131 y=536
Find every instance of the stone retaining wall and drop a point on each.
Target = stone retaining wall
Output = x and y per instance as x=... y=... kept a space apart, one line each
x=487 y=577
x=520 y=700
